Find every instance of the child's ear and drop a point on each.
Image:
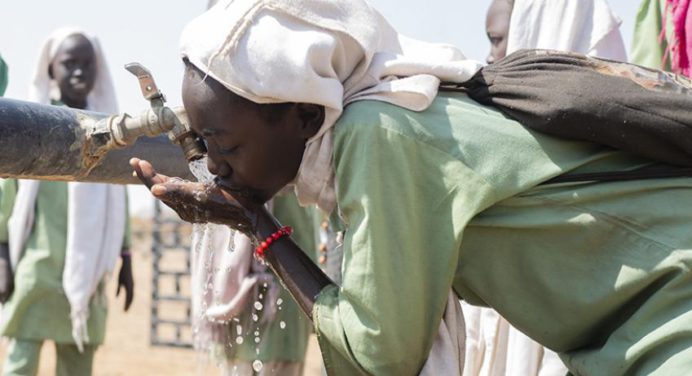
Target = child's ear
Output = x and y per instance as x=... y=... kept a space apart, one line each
x=312 y=117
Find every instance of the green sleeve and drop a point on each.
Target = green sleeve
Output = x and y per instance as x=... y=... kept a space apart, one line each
x=3 y=76
x=405 y=210
x=8 y=192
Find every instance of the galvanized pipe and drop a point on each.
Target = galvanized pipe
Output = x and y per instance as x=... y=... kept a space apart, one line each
x=58 y=143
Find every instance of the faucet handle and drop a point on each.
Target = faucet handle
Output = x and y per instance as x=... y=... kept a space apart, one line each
x=146 y=83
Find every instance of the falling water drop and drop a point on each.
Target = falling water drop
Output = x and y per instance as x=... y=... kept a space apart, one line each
x=257 y=365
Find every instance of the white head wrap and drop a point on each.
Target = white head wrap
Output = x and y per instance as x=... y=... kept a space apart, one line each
x=326 y=52
x=42 y=89
x=96 y=212
x=584 y=26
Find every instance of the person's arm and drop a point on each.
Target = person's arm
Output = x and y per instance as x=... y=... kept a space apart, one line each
x=405 y=204
x=8 y=190
x=125 y=278
x=301 y=276
x=6 y=275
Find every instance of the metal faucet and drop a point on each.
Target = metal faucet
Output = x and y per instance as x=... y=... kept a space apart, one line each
x=119 y=131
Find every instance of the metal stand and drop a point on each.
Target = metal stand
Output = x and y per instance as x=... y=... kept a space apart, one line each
x=171 y=295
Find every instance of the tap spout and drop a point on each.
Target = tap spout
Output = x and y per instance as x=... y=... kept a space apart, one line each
x=123 y=130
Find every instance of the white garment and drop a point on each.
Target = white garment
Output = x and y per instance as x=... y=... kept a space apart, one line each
x=326 y=52
x=225 y=277
x=584 y=26
x=494 y=347
x=486 y=341
x=330 y=53
x=96 y=212
x=447 y=355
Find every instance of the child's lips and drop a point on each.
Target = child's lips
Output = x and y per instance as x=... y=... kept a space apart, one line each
x=78 y=85
x=240 y=192
x=231 y=187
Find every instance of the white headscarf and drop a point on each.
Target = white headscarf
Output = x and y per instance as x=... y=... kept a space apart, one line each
x=96 y=212
x=326 y=52
x=588 y=27
x=42 y=89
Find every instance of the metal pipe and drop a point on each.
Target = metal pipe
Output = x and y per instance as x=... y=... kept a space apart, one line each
x=59 y=143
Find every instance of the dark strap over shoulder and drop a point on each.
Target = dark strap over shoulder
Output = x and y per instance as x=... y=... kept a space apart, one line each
x=639 y=110
x=654 y=172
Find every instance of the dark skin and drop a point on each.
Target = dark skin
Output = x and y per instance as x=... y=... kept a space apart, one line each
x=6 y=275
x=255 y=150
x=74 y=70
x=497 y=28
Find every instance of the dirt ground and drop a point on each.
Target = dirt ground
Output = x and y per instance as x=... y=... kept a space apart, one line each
x=127 y=350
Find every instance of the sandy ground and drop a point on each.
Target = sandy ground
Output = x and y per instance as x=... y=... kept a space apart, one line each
x=127 y=350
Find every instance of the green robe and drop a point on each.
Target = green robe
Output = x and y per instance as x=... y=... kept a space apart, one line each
x=448 y=197
x=38 y=308
x=287 y=341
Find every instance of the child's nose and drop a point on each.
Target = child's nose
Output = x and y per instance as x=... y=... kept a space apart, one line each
x=220 y=169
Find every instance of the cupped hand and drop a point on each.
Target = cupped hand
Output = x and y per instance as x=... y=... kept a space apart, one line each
x=196 y=202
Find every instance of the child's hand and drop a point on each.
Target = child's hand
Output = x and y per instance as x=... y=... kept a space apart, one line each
x=125 y=279
x=196 y=202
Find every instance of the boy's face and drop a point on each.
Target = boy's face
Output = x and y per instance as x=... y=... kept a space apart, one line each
x=249 y=148
x=497 y=28
x=74 y=70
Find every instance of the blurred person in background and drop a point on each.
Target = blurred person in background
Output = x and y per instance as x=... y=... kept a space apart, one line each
x=64 y=239
x=494 y=346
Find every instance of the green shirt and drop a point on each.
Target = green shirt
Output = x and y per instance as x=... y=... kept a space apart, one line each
x=38 y=308
x=448 y=198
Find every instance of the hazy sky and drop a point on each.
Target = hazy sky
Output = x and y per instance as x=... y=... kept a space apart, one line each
x=147 y=31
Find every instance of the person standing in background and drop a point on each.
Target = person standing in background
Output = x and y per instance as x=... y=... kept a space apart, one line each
x=495 y=347
x=64 y=239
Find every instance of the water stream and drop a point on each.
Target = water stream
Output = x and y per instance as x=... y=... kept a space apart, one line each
x=207 y=262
